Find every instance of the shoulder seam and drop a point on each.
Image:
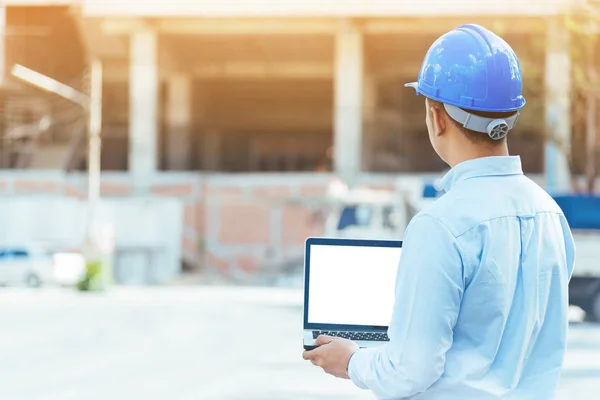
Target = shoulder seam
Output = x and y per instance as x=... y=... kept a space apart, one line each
x=508 y=216
x=438 y=219
x=461 y=253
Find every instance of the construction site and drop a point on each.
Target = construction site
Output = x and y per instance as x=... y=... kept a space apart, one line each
x=225 y=126
x=165 y=161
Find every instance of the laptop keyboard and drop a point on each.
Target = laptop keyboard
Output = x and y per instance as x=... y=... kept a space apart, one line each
x=370 y=336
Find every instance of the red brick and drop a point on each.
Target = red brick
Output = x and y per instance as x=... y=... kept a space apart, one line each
x=244 y=224
x=72 y=191
x=298 y=225
x=113 y=189
x=35 y=187
x=272 y=191
x=173 y=191
x=216 y=262
x=235 y=191
x=313 y=190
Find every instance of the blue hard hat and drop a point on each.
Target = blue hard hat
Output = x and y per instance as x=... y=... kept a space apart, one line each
x=474 y=69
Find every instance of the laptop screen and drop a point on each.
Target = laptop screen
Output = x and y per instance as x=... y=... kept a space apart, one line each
x=352 y=285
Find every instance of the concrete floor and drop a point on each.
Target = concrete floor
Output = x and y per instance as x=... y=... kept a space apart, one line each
x=181 y=343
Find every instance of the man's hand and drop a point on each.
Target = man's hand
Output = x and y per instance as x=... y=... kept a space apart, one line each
x=333 y=355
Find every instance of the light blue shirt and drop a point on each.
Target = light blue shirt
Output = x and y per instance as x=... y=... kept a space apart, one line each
x=481 y=296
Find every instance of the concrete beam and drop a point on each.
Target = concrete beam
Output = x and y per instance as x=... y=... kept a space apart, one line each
x=167 y=59
x=436 y=26
x=334 y=9
x=373 y=26
x=247 y=27
x=262 y=70
x=221 y=27
x=31 y=3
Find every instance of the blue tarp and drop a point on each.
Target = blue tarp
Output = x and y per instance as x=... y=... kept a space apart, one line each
x=582 y=211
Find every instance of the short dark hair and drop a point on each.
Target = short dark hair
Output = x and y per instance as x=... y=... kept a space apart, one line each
x=473 y=136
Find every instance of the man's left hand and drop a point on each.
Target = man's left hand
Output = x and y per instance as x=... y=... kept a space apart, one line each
x=333 y=355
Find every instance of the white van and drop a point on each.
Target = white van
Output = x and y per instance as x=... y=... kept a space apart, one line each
x=25 y=265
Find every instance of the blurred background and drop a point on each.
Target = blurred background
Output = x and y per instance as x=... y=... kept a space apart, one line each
x=163 y=161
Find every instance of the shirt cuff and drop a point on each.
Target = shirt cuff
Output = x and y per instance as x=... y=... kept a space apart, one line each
x=360 y=362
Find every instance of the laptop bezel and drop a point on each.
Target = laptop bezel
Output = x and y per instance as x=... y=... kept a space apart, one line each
x=339 y=242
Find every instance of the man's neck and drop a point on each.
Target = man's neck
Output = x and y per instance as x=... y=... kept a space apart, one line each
x=472 y=152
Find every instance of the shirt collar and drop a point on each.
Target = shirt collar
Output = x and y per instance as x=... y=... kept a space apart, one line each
x=482 y=167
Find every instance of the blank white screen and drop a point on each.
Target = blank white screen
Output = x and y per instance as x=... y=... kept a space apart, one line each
x=352 y=285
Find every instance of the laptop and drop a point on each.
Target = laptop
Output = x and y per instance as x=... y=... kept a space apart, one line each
x=349 y=289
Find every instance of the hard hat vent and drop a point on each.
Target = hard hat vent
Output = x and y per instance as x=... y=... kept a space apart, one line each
x=497 y=129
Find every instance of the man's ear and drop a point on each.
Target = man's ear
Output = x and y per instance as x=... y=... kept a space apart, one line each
x=438 y=117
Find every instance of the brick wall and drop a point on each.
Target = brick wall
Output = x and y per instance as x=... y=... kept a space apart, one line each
x=232 y=223
x=250 y=221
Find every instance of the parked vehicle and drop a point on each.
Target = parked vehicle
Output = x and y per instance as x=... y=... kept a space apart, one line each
x=25 y=265
x=583 y=214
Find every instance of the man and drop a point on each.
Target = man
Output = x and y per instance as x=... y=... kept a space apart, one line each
x=482 y=288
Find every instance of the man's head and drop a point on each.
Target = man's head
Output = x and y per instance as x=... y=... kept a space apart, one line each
x=472 y=82
x=453 y=142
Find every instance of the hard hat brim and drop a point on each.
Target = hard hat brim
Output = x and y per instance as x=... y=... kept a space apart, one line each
x=414 y=85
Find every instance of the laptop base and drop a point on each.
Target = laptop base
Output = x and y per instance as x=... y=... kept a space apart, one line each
x=309 y=341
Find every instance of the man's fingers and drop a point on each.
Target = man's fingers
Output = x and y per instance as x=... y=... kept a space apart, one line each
x=313 y=356
x=310 y=354
x=307 y=355
x=322 y=339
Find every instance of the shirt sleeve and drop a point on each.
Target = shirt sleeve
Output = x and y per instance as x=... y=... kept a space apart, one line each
x=429 y=291
x=569 y=246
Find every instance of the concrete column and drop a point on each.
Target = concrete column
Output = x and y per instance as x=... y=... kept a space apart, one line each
x=179 y=121
x=143 y=100
x=369 y=115
x=558 y=108
x=348 y=98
